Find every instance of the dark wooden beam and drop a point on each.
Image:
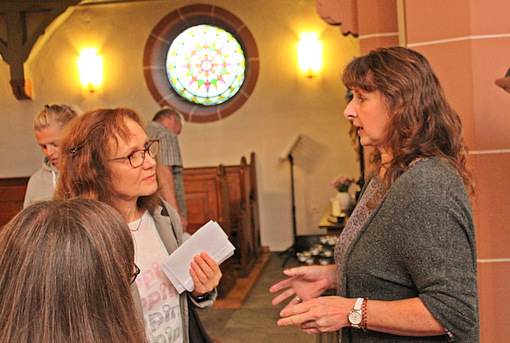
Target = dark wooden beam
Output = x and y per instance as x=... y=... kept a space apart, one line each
x=19 y=41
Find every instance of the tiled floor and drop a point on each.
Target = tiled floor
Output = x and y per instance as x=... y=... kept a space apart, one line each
x=256 y=321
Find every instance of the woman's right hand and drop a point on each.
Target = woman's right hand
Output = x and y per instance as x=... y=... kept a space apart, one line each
x=304 y=282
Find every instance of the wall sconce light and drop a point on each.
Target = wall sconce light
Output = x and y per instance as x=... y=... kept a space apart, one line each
x=310 y=54
x=90 y=66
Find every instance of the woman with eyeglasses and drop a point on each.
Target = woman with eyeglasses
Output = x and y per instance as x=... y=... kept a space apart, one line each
x=107 y=156
x=67 y=267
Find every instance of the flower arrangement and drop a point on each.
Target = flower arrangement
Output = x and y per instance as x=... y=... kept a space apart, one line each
x=341 y=183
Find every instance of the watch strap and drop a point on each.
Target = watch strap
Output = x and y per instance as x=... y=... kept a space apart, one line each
x=357 y=304
x=202 y=297
x=357 y=308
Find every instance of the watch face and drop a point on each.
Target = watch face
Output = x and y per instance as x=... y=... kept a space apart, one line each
x=355 y=318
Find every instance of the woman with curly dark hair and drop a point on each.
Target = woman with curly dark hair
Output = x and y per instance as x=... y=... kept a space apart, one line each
x=406 y=261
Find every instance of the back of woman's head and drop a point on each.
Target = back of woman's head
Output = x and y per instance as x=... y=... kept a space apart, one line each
x=60 y=114
x=86 y=146
x=422 y=122
x=66 y=272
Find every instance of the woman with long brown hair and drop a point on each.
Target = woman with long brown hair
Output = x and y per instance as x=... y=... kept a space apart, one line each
x=67 y=267
x=107 y=156
x=406 y=260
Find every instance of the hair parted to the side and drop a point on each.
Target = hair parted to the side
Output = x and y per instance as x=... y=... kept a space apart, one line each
x=66 y=272
x=86 y=145
x=60 y=114
x=422 y=123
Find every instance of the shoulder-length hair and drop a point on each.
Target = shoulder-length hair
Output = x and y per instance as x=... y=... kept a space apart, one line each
x=422 y=123
x=67 y=267
x=87 y=144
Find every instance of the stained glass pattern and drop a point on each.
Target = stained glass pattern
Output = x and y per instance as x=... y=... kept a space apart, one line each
x=206 y=65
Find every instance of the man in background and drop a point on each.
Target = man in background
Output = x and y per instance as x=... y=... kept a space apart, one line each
x=166 y=126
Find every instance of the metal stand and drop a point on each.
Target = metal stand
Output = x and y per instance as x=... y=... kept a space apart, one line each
x=291 y=251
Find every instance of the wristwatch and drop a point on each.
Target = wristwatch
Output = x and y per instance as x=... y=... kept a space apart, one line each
x=202 y=297
x=355 y=316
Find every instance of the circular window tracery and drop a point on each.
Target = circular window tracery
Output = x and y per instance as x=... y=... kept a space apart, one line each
x=175 y=69
x=206 y=65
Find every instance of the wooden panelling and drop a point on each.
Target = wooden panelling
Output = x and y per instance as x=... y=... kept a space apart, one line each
x=12 y=194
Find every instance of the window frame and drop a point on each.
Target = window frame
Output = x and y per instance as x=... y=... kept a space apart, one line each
x=156 y=50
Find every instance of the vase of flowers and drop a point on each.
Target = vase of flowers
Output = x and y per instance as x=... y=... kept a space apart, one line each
x=342 y=183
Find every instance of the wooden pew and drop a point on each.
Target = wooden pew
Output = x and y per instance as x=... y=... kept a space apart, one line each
x=242 y=216
x=206 y=190
x=254 y=204
x=239 y=184
x=207 y=198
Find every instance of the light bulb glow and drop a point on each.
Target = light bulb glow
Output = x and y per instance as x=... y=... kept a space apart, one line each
x=309 y=54
x=90 y=66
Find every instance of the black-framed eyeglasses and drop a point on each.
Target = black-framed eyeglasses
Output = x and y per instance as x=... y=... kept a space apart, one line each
x=137 y=157
x=135 y=274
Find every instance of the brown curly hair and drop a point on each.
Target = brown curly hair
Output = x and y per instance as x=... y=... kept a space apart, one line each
x=422 y=123
x=85 y=147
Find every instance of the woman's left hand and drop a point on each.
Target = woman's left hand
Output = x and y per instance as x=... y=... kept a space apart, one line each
x=206 y=274
x=323 y=314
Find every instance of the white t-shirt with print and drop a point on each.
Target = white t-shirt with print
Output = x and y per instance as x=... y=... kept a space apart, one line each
x=160 y=300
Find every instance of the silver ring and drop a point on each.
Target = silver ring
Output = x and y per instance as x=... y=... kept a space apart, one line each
x=298 y=299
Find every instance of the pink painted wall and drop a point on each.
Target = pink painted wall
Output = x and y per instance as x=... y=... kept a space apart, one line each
x=377 y=20
x=469 y=50
x=468 y=45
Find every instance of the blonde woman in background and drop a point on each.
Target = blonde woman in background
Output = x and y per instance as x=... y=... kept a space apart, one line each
x=48 y=125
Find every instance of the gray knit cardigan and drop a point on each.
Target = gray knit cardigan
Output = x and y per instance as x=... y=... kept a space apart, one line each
x=418 y=242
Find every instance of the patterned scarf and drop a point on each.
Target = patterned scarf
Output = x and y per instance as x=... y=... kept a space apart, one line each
x=373 y=194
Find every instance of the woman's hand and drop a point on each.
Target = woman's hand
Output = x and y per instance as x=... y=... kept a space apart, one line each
x=304 y=282
x=323 y=314
x=206 y=274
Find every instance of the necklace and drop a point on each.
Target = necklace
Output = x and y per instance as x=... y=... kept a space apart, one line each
x=139 y=224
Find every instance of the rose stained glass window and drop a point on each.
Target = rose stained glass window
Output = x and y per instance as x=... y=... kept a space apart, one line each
x=206 y=65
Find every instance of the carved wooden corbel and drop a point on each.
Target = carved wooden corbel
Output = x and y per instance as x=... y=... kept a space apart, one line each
x=504 y=82
x=16 y=46
x=340 y=12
